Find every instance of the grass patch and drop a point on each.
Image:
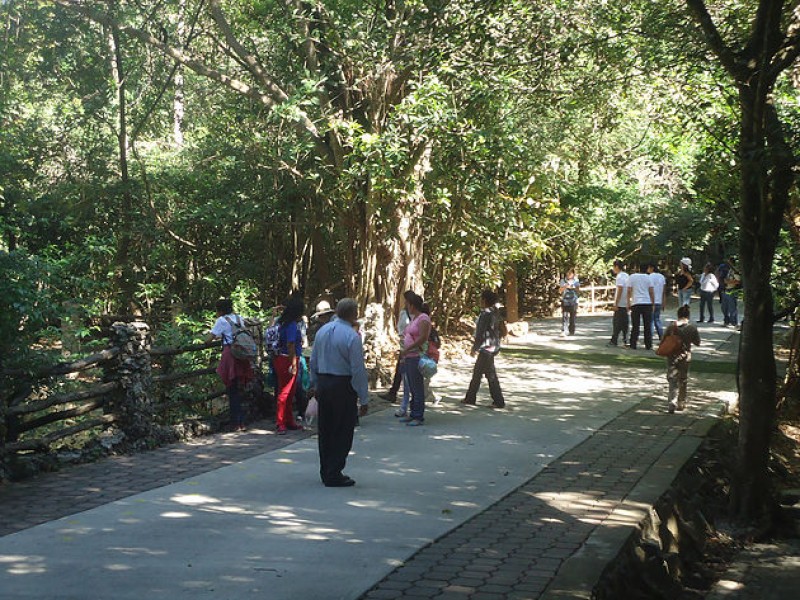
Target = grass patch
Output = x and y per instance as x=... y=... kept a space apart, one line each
x=623 y=359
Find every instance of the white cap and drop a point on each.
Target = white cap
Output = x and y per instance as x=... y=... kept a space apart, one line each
x=323 y=308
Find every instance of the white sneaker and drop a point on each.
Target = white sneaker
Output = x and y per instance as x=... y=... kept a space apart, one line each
x=400 y=413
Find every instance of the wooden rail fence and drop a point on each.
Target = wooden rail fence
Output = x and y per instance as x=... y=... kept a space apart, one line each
x=130 y=385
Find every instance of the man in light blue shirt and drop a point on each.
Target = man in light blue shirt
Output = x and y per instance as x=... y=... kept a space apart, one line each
x=339 y=376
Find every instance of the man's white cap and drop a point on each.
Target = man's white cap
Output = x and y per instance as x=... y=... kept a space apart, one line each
x=323 y=308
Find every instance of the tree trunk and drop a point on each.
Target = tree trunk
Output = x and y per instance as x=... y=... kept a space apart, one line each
x=757 y=383
x=126 y=284
x=178 y=107
x=512 y=295
x=766 y=166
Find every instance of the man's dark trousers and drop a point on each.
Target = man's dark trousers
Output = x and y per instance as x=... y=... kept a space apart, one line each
x=620 y=325
x=484 y=365
x=336 y=423
x=641 y=312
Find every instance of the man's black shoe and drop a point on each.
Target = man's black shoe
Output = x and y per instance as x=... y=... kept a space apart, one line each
x=344 y=481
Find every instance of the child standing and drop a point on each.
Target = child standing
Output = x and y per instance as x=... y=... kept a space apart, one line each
x=678 y=363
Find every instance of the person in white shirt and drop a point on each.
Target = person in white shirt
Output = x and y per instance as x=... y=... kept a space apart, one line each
x=660 y=294
x=641 y=298
x=402 y=322
x=709 y=284
x=620 y=322
x=235 y=373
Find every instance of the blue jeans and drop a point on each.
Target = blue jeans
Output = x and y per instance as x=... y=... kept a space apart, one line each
x=684 y=297
x=707 y=299
x=406 y=390
x=235 y=399
x=730 y=309
x=656 y=324
x=416 y=384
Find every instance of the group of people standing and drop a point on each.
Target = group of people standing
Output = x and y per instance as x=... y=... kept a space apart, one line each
x=336 y=373
x=723 y=280
x=419 y=339
x=643 y=295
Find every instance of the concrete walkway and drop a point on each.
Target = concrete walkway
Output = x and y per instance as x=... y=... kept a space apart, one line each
x=580 y=449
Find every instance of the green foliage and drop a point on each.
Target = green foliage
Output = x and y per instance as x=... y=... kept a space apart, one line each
x=28 y=303
x=509 y=135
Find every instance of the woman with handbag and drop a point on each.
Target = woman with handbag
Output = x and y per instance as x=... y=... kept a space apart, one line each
x=415 y=340
x=677 y=347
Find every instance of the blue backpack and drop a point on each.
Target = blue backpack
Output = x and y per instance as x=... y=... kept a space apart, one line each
x=272 y=339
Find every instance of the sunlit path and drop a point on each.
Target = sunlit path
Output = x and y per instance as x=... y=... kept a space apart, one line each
x=267 y=528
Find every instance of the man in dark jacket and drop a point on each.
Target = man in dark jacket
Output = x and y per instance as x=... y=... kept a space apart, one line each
x=486 y=345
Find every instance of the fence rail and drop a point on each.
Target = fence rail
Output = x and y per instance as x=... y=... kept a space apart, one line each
x=133 y=389
x=596 y=292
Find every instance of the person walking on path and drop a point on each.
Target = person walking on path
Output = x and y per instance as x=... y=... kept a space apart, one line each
x=402 y=322
x=341 y=385
x=235 y=373
x=685 y=282
x=569 y=288
x=660 y=293
x=620 y=321
x=733 y=288
x=678 y=363
x=486 y=346
x=286 y=363
x=415 y=340
x=708 y=287
x=641 y=298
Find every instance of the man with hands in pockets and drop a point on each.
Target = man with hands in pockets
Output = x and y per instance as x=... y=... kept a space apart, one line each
x=339 y=377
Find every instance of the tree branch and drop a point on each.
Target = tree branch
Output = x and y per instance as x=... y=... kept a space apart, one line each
x=788 y=53
x=247 y=57
x=185 y=58
x=725 y=53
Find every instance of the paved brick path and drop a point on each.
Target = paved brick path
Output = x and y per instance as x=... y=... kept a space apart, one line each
x=515 y=548
x=74 y=489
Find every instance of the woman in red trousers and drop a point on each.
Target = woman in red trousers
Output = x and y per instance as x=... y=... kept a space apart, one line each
x=287 y=363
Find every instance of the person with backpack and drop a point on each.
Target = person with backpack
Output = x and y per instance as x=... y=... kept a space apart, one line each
x=568 y=288
x=678 y=361
x=235 y=366
x=488 y=332
x=287 y=364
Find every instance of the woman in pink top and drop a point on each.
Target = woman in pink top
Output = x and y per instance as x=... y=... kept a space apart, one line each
x=414 y=339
